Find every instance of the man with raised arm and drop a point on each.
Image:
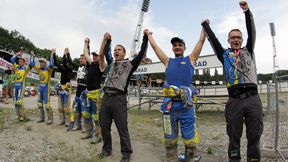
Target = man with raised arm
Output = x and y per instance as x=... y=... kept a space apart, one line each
x=94 y=76
x=21 y=71
x=78 y=104
x=244 y=104
x=64 y=87
x=114 y=105
x=177 y=107
x=45 y=71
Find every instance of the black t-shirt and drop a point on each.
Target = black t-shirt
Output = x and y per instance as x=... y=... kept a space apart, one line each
x=65 y=68
x=94 y=77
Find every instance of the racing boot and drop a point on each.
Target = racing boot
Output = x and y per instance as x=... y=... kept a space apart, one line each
x=62 y=118
x=49 y=115
x=42 y=115
x=191 y=152
x=89 y=129
x=171 y=151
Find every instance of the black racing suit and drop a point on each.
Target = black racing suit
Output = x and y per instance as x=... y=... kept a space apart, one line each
x=244 y=104
x=114 y=104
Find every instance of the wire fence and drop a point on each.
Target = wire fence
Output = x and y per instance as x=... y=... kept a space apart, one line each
x=275 y=138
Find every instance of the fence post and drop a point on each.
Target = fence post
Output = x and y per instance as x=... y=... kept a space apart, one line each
x=139 y=98
x=277 y=114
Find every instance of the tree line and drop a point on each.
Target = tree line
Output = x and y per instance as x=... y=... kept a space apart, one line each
x=13 y=40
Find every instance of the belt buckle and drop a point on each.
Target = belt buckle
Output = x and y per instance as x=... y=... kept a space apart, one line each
x=243 y=96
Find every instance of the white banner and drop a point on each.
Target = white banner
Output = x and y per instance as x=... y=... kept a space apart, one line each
x=5 y=64
x=204 y=62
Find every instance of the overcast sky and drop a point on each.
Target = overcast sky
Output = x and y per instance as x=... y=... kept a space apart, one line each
x=65 y=23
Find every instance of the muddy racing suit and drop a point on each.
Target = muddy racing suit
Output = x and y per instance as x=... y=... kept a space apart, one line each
x=44 y=90
x=178 y=108
x=93 y=93
x=79 y=102
x=244 y=104
x=19 y=85
x=64 y=89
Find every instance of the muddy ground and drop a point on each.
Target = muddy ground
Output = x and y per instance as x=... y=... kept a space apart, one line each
x=30 y=141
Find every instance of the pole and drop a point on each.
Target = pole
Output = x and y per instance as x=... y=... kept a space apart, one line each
x=137 y=35
x=275 y=78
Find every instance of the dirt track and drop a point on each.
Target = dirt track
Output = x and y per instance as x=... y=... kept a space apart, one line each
x=30 y=141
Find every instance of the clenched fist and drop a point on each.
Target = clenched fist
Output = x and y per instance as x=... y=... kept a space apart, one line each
x=243 y=5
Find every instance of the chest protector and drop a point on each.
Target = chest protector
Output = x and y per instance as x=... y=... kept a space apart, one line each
x=179 y=71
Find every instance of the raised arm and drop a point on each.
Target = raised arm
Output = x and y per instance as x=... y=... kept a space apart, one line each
x=32 y=59
x=86 y=51
x=13 y=59
x=105 y=51
x=198 y=47
x=69 y=62
x=51 y=58
x=136 y=61
x=160 y=54
x=108 y=53
x=213 y=40
x=250 y=26
x=56 y=62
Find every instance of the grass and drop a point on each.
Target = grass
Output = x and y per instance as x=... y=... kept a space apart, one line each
x=146 y=126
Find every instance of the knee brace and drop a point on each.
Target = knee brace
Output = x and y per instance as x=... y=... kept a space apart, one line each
x=170 y=143
x=86 y=115
x=95 y=117
x=17 y=103
x=194 y=140
x=47 y=107
x=39 y=105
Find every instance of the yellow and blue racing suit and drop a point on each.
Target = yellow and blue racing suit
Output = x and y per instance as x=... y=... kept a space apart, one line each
x=64 y=89
x=44 y=90
x=19 y=85
x=177 y=107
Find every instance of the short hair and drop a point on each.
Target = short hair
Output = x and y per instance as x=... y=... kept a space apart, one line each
x=238 y=30
x=82 y=55
x=94 y=53
x=122 y=47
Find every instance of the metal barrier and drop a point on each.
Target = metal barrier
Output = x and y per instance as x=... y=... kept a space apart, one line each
x=154 y=95
x=275 y=138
